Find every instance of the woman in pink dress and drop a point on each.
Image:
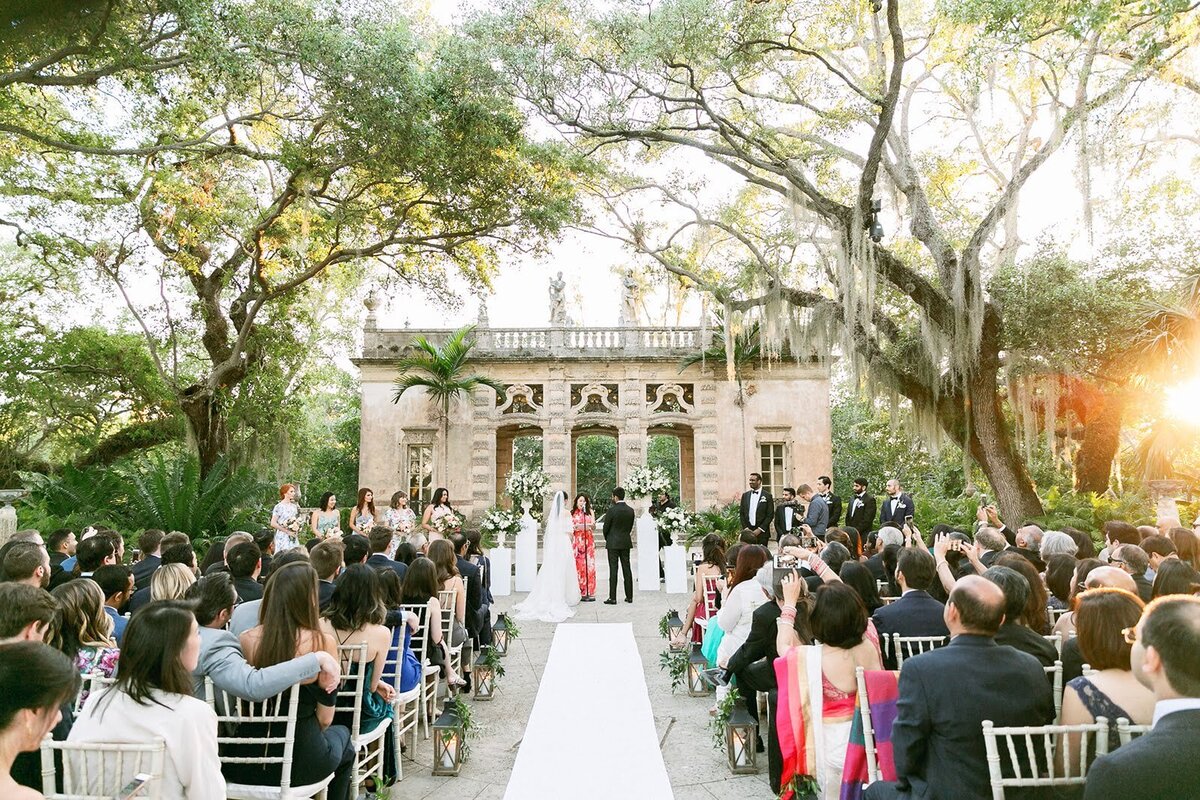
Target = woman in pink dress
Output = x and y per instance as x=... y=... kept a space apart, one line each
x=585 y=547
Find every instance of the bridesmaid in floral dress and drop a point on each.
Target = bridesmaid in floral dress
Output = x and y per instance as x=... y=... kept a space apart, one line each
x=284 y=517
x=585 y=547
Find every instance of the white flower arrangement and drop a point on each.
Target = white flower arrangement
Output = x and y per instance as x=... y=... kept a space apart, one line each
x=447 y=524
x=675 y=521
x=528 y=484
x=498 y=523
x=646 y=481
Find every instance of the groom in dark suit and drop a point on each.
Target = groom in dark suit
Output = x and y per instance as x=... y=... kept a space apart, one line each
x=618 y=541
x=756 y=510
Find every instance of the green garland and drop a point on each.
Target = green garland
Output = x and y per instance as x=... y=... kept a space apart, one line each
x=676 y=665
x=717 y=725
x=491 y=658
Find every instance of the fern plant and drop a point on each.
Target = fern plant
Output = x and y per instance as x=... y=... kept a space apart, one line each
x=723 y=520
x=170 y=494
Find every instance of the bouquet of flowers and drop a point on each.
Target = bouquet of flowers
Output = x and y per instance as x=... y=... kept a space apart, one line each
x=675 y=522
x=498 y=523
x=528 y=484
x=646 y=481
x=447 y=524
x=294 y=525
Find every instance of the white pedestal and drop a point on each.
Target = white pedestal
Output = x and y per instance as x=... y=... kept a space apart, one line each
x=647 y=553
x=501 y=558
x=676 y=567
x=526 y=554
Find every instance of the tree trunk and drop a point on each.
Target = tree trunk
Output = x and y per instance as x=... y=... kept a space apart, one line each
x=994 y=449
x=206 y=420
x=135 y=437
x=1101 y=440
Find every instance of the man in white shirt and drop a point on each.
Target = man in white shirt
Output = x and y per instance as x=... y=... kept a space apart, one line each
x=785 y=514
x=1160 y=763
x=898 y=506
x=757 y=509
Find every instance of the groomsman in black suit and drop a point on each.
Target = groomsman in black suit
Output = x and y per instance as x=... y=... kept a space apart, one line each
x=757 y=508
x=825 y=489
x=860 y=514
x=787 y=514
x=897 y=507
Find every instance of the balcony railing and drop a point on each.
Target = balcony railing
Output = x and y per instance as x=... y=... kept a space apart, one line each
x=567 y=343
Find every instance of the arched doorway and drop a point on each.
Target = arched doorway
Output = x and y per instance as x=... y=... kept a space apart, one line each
x=671 y=446
x=594 y=464
x=517 y=447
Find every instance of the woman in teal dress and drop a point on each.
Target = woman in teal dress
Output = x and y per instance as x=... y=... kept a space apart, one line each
x=356 y=613
x=326 y=520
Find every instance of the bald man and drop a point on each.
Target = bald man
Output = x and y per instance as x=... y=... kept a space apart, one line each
x=937 y=739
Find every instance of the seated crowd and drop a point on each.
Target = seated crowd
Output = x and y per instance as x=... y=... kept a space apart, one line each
x=93 y=649
x=989 y=621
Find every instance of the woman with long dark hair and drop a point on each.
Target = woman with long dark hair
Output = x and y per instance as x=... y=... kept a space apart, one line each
x=712 y=565
x=743 y=595
x=326 y=520
x=442 y=554
x=1060 y=569
x=1034 y=614
x=437 y=508
x=421 y=587
x=362 y=516
x=289 y=626
x=859 y=578
x=583 y=524
x=398 y=516
x=153 y=698
x=35 y=681
x=356 y=613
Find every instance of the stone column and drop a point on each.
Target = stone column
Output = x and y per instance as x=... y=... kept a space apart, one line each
x=556 y=436
x=483 y=451
x=708 y=492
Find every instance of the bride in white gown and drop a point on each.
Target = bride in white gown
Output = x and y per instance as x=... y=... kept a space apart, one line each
x=556 y=587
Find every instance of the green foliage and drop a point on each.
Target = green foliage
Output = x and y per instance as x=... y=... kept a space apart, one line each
x=716 y=726
x=510 y=625
x=662 y=452
x=675 y=664
x=596 y=469
x=664 y=628
x=724 y=520
x=493 y=660
x=527 y=453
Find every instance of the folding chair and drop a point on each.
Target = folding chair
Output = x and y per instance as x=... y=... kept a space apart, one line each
x=1030 y=754
x=99 y=770
x=864 y=707
x=406 y=704
x=430 y=674
x=1056 y=640
x=368 y=746
x=710 y=591
x=92 y=682
x=1127 y=732
x=1055 y=674
x=270 y=726
x=1052 y=614
x=446 y=599
x=909 y=646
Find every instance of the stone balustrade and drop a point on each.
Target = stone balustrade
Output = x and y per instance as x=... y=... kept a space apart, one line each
x=649 y=343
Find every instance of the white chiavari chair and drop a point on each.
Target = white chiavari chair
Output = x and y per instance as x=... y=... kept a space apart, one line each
x=1023 y=757
x=99 y=770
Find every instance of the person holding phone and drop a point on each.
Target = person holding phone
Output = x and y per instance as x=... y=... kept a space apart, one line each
x=898 y=508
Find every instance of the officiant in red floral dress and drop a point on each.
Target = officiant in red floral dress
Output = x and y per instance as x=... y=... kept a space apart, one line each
x=585 y=547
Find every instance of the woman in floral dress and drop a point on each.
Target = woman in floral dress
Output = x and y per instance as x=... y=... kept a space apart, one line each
x=584 y=524
x=85 y=635
x=285 y=518
x=399 y=517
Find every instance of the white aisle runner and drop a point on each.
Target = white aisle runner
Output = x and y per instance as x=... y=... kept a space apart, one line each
x=591 y=733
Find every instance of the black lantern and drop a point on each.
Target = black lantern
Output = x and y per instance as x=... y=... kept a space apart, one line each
x=697 y=664
x=741 y=738
x=484 y=677
x=675 y=640
x=448 y=742
x=500 y=635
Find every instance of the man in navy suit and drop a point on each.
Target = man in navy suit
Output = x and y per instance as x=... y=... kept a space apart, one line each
x=756 y=510
x=916 y=613
x=380 y=540
x=947 y=693
x=1161 y=763
x=897 y=506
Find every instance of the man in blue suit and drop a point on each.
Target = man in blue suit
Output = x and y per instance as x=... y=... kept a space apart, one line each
x=1161 y=763
x=896 y=507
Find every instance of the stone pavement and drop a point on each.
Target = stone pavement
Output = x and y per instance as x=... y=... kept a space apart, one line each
x=697 y=770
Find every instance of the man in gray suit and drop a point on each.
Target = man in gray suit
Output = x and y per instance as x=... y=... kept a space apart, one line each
x=817 y=518
x=618 y=540
x=221 y=655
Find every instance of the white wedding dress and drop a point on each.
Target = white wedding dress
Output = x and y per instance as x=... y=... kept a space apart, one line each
x=556 y=587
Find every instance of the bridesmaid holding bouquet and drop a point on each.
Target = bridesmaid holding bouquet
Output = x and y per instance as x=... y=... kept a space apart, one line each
x=584 y=523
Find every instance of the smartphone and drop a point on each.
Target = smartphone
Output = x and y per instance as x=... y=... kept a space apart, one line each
x=956 y=545
x=983 y=501
x=134 y=787
x=908 y=520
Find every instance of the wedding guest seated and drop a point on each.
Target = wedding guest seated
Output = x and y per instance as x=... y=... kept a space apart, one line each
x=916 y=613
x=181 y=554
x=326 y=559
x=839 y=621
x=859 y=578
x=1060 y=570
x=1187 y=546
x=265 y=539
x=217 y=559
x=1086 y=548
x=1057 y=543
x=116 y=584
x=1176 y=577
x=1161 y=763
x=834 y=554
x=1083 y=570
x=1158 y=549
x=885 y=536
x=402 y=625
x=441 y=553
x=1113 y=691
x=61 y=545
x=1033 y=616
x=27 y=562
x=356 y=614
x=712 y=565
x=890 y=557
x=1117 y=533
x=740 y=598
x=171 y=582
x=153 y=698
x=221 y=657
x=1100 y=577
x=90 y=554
x=421 y=586
x=419 y=542
x=85 y=633
x=480 y=559
x=291 y=627
x=405 y=553
x=246 y=615
x=1029 y=544
x=1013 y=632
x=380 y=541
x=989 y=544
x=357 y=548
x=150 y=556
x=1133 y=559
x=937 y=738
x=245 y=563
x=479 y=618
x=35 y=682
